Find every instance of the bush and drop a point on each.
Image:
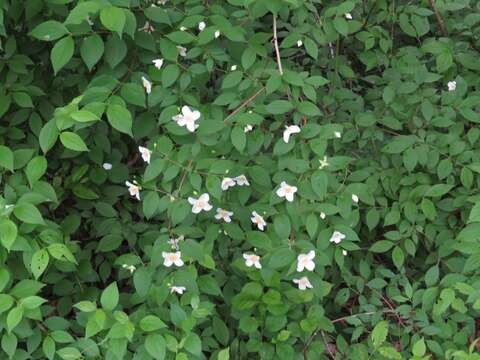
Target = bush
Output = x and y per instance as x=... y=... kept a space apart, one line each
x=241 y=179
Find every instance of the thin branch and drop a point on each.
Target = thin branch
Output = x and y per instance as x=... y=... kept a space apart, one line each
x=245 y=103
x=441 y=24
x=327 y=345
x=275 y=43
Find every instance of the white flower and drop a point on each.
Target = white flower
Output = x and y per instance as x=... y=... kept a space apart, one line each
x=303 y=283
x=147 y=28
x=355 y=198
x=187 y=118
x=299 y=43
x=201 y=25
x=183 y=28
x=158 y=63
x=146 y=154
x=9 y=206
x=133 y=189
x=182 y=51
x=337 y=237
x=172 y=258
x=322 y=215
x=286 y=191
x=174 y=241
x=338 y=134
x=233 y=67
x=305 y=261
x=162 y=2
x=147 y=85
x=344 y=252
x=217 y=34
x=348 y=16
x=241 y=180
x=247 y=128
x=89 y=20
x=452 y=85
x=258 y=220
x=177 y=289
x=130 y=268
x=223 y=214
x=200 y=204
x=323 y=163
x=252 y=260
x=107 y=166
x=227 y=183
x=289 y=130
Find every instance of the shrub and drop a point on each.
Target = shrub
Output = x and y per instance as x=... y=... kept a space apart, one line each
x=270 y=179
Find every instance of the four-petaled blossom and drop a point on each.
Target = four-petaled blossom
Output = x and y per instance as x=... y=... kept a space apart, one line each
x=130 y=268
x=158 y=63
x=171 y=258
x=322 y=215
x=247 y=128
x=146 y=154
x=224 y=215
x=147 y=85
x=187 y=118
x=338 y=134
x=303 y=283
x=217 y=34
x=107 y=166
x=286 y=191
x=133 y=189
x=355 y=198
x=258 y=220
x=337 y=237
x=200 y=204
x=305 y=261
x=182 y=50
x=252 y=260
x=348 y=16
x=177 y=289
x=233 y=67
x=299 y=43
x=452 y=85
x=227 y=183
x=289 y=130
x=201 y=25
x=323 y=163
x=241 y=180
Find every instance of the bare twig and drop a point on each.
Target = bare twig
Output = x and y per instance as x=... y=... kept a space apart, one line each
x=441 y=24
x=327 y=345
x=275 y=43
x=245 y=103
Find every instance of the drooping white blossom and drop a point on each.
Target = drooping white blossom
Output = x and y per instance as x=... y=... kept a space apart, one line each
x=247 y=128
x=182 y=50
x=252 y=260
x=337 y=237
x=241 y=180
x=146 y=154
x=286 y=191
x=355 y=198
x=289 y=130
x=227 y=183
x=158 y=63
x=452 y=85
x=187 y=118
x=258 y=220
x=303 y=283
x=201 y=25
x=130 y=268
x=233 y=67
x=299 y=43
x=348 y=16
x=107 y=166
x=305 y=261
x=200 y=204
x=133 y=189
x=147 y=85
x=177 y=289
x=217 y=34
x=224 y=215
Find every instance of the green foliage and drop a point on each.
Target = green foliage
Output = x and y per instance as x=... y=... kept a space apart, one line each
x=239 y=179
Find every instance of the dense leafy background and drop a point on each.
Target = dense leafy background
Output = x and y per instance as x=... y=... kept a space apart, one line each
x=81 y=269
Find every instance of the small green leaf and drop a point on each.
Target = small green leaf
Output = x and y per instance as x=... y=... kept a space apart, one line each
x=35 y=169
x=39 y=263
x=278 y=107
x=120 y=118
x=91 y=50
x=49 y=31
x=61 y=53
x=72 y=141
x=113 y=18
x=379 y=333
x=6 y=158
x=109 y=297
x=8 y=233
x=28 y=213
x=155 y=346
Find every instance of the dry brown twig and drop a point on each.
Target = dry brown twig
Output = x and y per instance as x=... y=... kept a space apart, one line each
x=440 y=22
x=275 y=43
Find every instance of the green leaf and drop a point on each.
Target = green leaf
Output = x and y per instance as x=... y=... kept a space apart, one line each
x=133 y=94
x=48 y=136
x=278 y=107
x=8 y=233
x=109 y=297
x=419 y=348
x=61 y=252
x=72 y=141
x=39 y=262
x=28 y=213
x=239 y=139
x=341 y=25
x=61 y=53
x=379 y=333
x=258 y=239
x=35 y=169
x=6 y=158
x=14 y=317
x=170 y=74
x=155 y=346
x=113 y=18
x=91 y=50
x=381 y=246
x=151 y=323
x=49 y=31
x=120 y=118
x=69 y=353
x=224 y=354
